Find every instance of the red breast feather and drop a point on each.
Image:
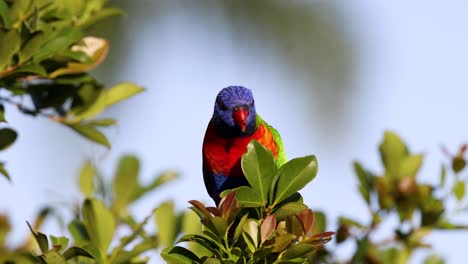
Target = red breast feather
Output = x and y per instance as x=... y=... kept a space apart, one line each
x=223 y=155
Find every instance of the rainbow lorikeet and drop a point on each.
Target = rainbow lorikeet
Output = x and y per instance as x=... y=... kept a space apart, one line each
x=233 y=125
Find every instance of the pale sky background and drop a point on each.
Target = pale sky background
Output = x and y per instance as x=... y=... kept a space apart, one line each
x=331 y=76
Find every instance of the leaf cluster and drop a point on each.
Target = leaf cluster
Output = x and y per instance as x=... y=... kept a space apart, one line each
x=265 y=222
x=45 y=59
x=420 y=207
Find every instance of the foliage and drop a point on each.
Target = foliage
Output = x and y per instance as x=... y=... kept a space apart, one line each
x=419 y=207
x=104 y=214
x=45 y=57
x=266 y=222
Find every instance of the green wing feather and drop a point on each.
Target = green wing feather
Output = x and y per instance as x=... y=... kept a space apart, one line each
x=276 y=136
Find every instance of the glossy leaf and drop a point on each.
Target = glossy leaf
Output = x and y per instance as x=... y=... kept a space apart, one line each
x=179 y=255
x=267 y=227
x=299 y=250
x=251 y=228
x=248 y=197
x=99 y=223
x=259 y=167
x=293 y=176
x=76 y=252
x=289 y=209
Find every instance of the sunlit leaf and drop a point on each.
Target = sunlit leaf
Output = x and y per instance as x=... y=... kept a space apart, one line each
x=4 y=172
x=299 y=250
x=248 y=197
x=166 y=223
x=41 y=239
x=289 y=209
x=259 y=167
x=86 y=179
x=60 y=243
x=125 y=182
x=459 y=190
x=251 y=228
x=76 y=252
x=109 y=97
x=410 y=165
x=91 y=133
x=293 y=176
x=99 y=223
x=96 y=48
x=392 y=151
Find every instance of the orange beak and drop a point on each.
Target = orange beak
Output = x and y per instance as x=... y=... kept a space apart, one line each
x=240 y=117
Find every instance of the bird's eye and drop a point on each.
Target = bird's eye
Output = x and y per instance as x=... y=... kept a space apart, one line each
x=222 y=106
x=253 y=103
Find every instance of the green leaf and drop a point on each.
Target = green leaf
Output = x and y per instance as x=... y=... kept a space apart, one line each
x=206 y=243
x=160 y=180
x=239 y=228
x=86 y=179
x=166 y=223
x=78 y=231
x=251 y=228
x=10 y=42
x=53 y=257
x=443 y=175
x=259 y=167
x=410 y=165
x=2 y=114
x=32 y=68
x=392 y=151
x=41 y=239
x=248 y=197
x=126 y=181
x=4 y=172
x=364 y=181
x=433 y=259
x=109 y=97
x=60 y=243
x=7 y=137
x=105 y=122
x=179 y=255
x=74 y=252
x=61 y=41
x=91 y=133
x=459 y=190
x=99 y=223
x=293 y=176
x=289 y=209
x=299 y=250
x=4 y=14
x=32 y=46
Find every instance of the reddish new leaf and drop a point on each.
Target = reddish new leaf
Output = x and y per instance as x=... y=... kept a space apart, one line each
x=267 y=227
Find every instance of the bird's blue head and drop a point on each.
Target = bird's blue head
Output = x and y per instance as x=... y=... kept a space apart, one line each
x=234 y=112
